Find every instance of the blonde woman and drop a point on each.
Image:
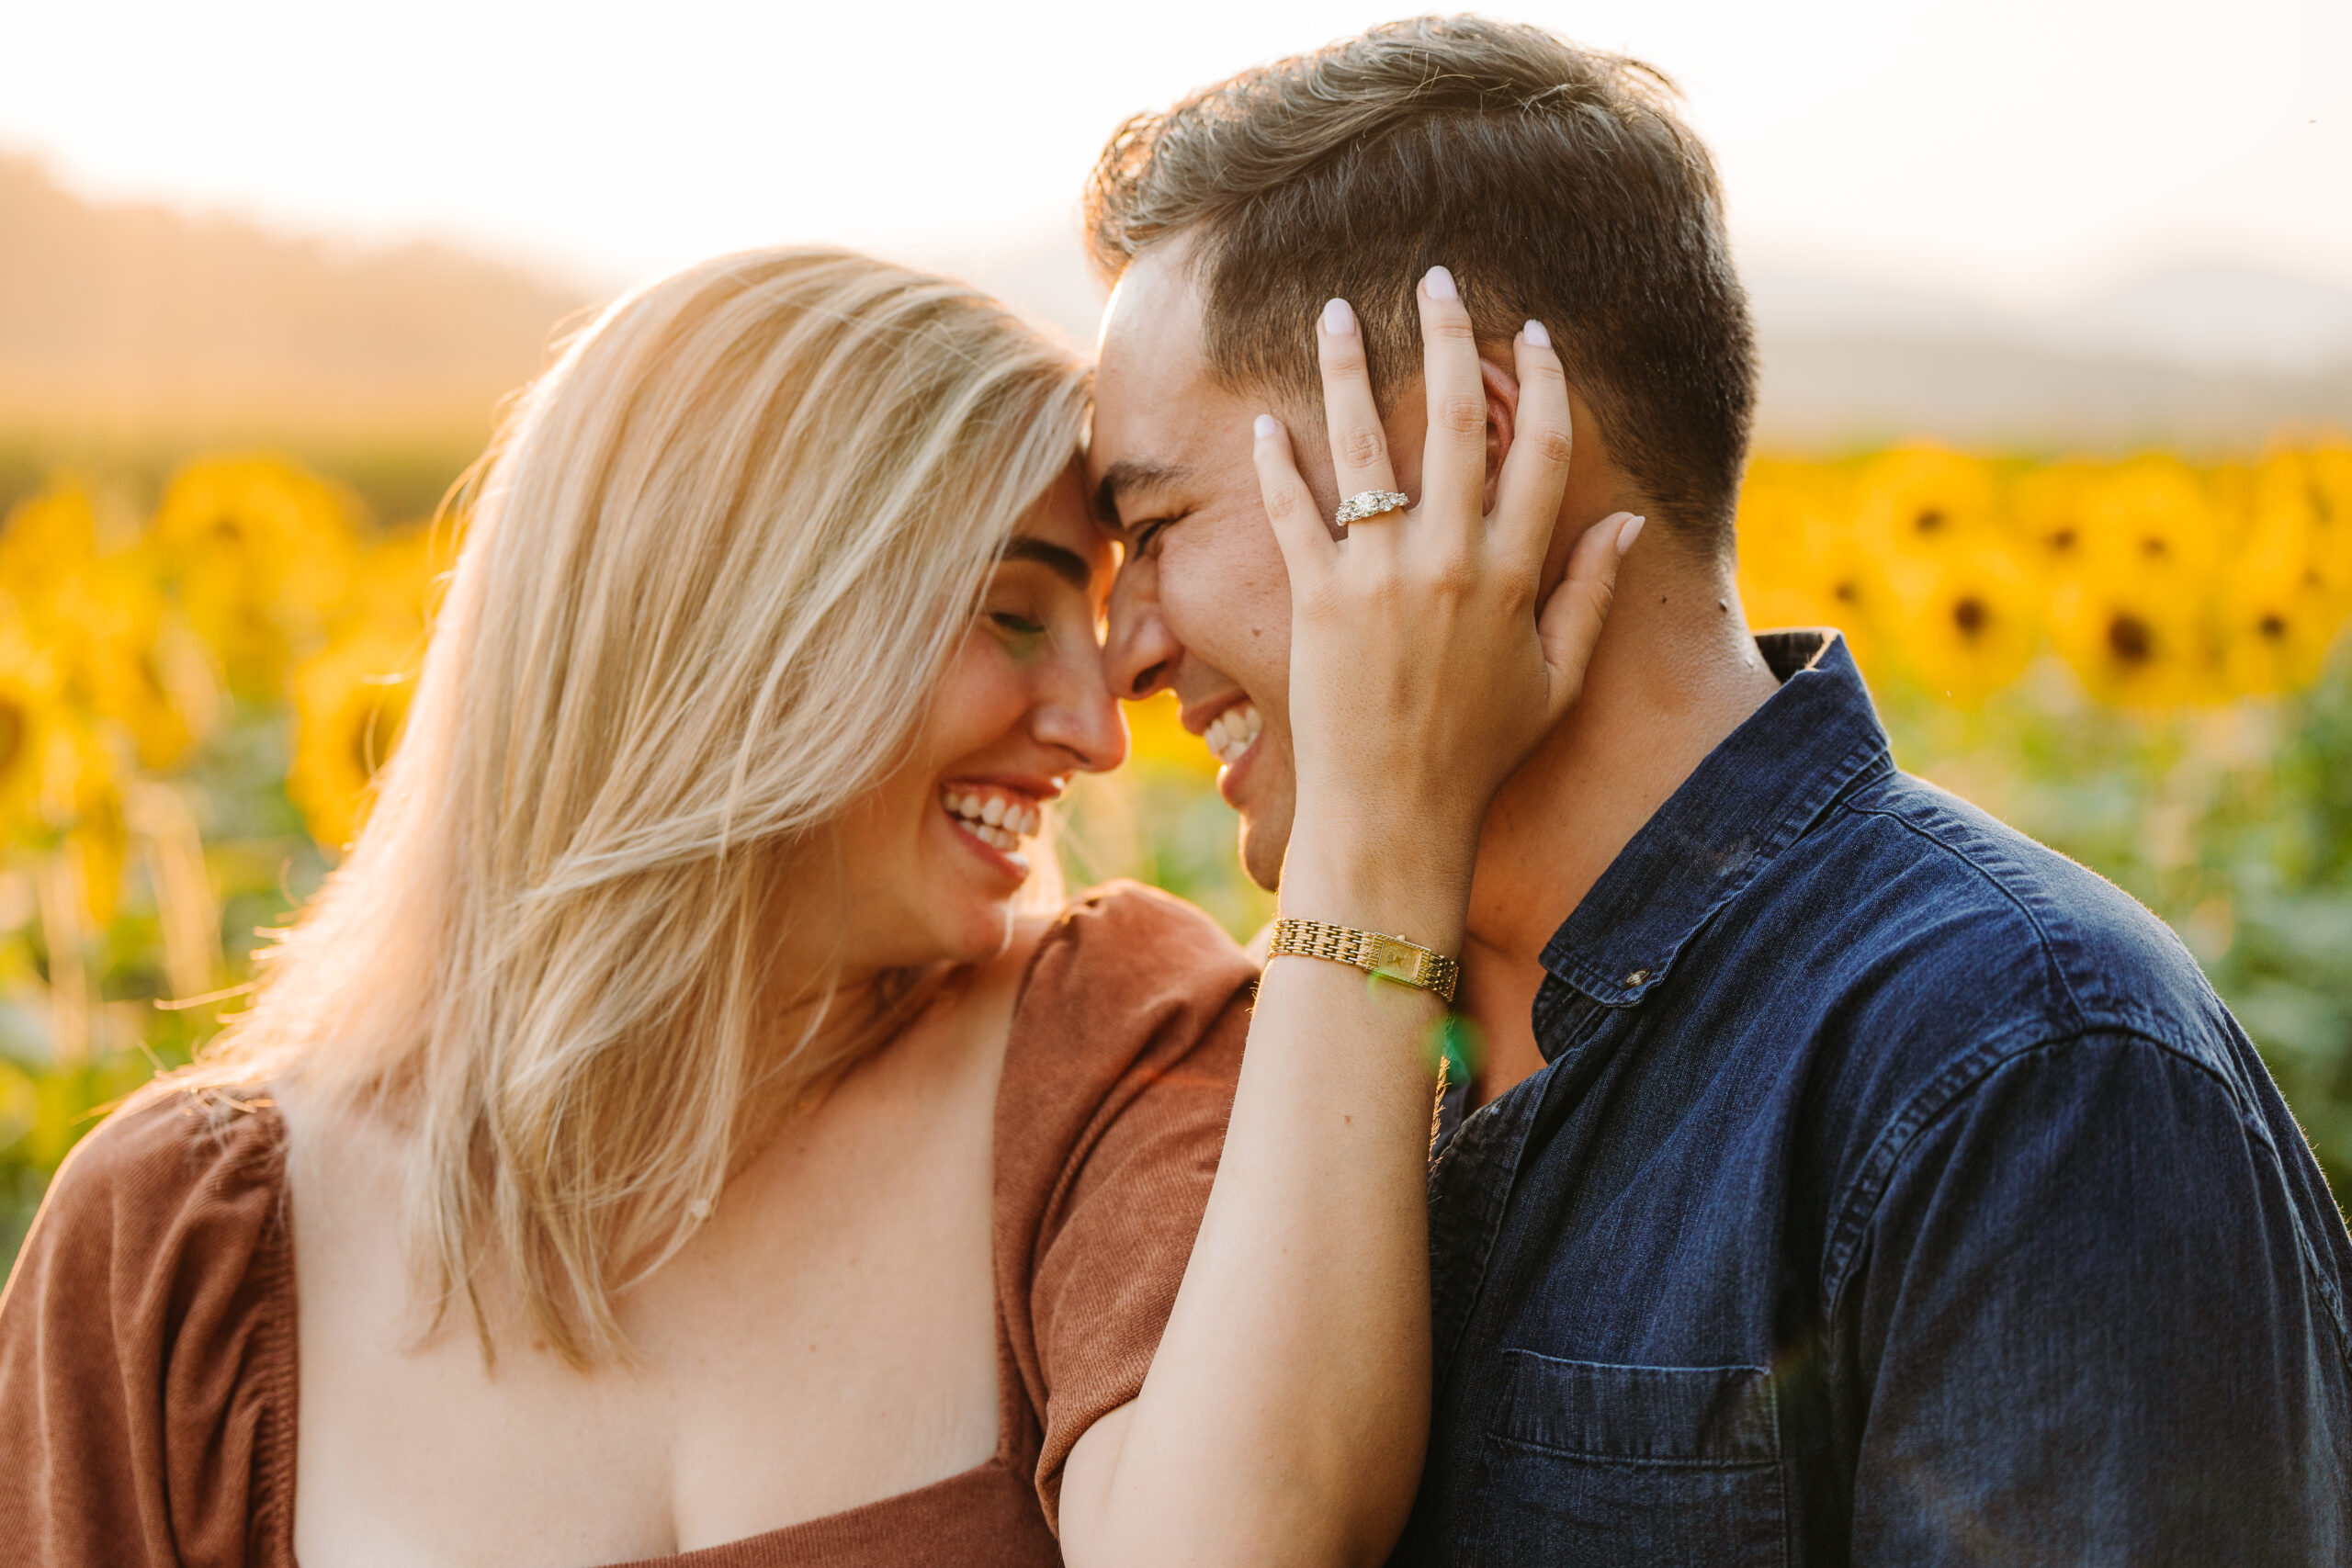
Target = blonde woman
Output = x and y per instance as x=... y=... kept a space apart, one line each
x=668 y=1138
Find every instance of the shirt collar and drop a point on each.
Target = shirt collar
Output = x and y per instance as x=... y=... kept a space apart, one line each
x=1754 y=796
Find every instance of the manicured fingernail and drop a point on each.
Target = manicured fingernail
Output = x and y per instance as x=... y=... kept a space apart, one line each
x=1265 y=426
x=1338 y=319
x=1537 y=336
x=1629 y=533
x=1439 y=283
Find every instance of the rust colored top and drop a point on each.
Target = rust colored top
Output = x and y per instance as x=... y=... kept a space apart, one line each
x=147 y=1336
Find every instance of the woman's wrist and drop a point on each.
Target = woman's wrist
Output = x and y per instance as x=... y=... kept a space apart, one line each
x=1406 y=885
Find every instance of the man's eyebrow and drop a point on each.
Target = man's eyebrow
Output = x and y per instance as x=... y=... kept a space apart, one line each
x=1066 y=564
x=1131 y=475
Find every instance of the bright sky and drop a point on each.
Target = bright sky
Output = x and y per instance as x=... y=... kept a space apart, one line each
x=2013 y=149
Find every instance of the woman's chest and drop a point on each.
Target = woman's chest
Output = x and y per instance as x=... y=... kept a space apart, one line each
x=827 y=1338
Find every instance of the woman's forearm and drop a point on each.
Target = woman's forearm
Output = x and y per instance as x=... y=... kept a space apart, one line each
x=1285 y=1411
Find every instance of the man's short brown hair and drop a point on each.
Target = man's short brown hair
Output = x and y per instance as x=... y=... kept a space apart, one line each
x=1553 y=181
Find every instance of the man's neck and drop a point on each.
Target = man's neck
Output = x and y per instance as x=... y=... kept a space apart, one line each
x=1674 y=675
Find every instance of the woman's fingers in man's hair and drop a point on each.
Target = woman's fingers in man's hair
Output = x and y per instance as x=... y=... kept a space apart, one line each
x=1453 y=457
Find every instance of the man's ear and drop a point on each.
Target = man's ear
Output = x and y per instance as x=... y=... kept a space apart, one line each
x=1502 y=417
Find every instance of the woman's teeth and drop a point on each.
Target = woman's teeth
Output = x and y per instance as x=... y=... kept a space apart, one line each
x=998 y=821
x=1230 y=732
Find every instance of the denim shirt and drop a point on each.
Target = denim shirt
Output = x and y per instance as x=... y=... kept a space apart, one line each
x=1896 y=1192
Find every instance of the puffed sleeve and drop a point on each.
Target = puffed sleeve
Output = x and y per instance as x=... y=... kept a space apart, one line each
x=1119 y=1078
x=147 y=1349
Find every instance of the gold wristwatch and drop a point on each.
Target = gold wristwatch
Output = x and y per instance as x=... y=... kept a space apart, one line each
x=1390 y=957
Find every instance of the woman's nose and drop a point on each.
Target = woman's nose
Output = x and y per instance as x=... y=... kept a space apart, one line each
x=1080 y=715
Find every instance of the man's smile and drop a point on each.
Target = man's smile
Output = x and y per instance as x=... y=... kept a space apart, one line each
x=1232 y=731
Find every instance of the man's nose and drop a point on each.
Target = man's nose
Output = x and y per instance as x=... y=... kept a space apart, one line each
x=1139 y=652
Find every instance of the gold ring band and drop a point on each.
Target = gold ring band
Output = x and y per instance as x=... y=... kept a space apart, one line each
x=1369 y=504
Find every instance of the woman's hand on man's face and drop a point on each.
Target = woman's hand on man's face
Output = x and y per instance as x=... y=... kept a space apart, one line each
x=1423 y=667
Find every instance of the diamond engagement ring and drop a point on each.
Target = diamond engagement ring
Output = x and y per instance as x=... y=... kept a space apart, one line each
x=1369 y=504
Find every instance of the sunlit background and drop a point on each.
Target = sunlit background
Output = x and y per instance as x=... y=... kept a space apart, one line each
x=2056 y=300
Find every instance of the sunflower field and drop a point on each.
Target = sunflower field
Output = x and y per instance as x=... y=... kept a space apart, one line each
x=2140 y=662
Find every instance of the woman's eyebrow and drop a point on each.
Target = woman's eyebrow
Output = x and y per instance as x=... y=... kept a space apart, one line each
x=1066 y=564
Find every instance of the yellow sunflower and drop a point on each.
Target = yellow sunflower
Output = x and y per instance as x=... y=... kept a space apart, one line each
x=99 y=618
x=2133 y=607
x=25 y=701
x=1970 y=615
x=2279 y=610
x=127 y=672
x=2314 y=486
x=1799 y=564
x=350 y=701
x=2274 y=628
x=2131 y=646
x=1921 y=499
x=397 y=577
x=261 y=556
x=48 y=544
x=2047 y=515
x=2153 y=520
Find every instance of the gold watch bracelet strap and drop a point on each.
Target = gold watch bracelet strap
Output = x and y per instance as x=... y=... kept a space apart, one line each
x=1390 y=957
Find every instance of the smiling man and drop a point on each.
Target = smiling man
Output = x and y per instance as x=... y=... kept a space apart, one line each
x=1845 y=1178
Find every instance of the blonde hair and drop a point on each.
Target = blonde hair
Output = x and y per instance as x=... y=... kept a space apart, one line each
x=715 y=565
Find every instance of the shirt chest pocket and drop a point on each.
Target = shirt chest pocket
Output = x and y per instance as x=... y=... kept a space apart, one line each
x=1584 y=1462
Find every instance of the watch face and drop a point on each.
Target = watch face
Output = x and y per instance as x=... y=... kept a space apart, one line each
x=1399 y=960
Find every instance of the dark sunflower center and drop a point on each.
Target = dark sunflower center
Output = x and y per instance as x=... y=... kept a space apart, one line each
x=12 y=733
x=1931 y=520
x=1972 y=618
x=2131 y=639
x=2061 y=541
x=2272 y=625
x=1844 y=591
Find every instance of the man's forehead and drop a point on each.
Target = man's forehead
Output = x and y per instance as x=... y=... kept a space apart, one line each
x=1154 y=398
x=1156 y=307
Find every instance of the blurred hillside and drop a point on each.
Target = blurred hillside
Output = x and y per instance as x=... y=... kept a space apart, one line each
x=2193 y=358
x=139 y=328
x=134 y=337
x=135 y=325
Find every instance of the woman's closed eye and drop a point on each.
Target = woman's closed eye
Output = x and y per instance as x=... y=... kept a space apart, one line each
x=1016 y=624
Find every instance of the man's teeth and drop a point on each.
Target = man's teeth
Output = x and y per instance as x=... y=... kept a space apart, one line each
x=998 y=821
x=1230 y=732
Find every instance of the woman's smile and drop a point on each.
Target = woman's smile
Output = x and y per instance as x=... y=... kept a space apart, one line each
x=995 y=818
